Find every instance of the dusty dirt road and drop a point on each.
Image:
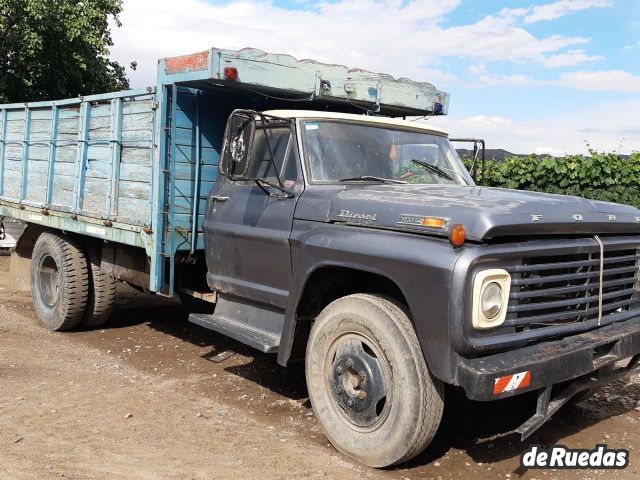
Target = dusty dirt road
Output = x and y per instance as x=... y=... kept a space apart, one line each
x=153 y=397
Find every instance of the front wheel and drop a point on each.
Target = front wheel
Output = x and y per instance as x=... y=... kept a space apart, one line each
x=368 y=381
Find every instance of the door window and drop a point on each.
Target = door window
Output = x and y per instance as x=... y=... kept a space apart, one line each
x=278 y=138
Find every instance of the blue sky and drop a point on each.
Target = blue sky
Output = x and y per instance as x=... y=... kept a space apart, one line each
x=544 y=76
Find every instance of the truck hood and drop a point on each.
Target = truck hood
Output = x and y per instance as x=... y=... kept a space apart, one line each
x=486 y=212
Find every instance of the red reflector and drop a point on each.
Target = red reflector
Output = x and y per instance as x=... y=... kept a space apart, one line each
x=231 y=73
x=512 y=382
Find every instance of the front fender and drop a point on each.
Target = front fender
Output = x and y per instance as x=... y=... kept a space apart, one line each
x=419 y=265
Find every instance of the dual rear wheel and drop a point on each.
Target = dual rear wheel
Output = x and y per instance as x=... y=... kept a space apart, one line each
x=69 y=289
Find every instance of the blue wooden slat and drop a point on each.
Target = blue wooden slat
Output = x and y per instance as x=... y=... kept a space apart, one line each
x=25 y=153
x=194 y=214
x=157 y=271
x=3 y=143
x=116 y=154
x=53 y=149
x=81 y=159
x=153 y=148
x=172 y=194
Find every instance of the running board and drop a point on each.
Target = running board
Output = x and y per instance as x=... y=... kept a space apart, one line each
x=256 y=325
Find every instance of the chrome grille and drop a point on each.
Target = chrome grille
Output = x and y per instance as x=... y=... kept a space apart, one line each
x=550 y=291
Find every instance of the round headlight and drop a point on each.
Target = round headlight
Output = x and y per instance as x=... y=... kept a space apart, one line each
x=491 y=300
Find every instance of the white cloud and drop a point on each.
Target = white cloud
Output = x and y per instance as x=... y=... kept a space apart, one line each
x=484 y=120
x=481 y=77
x=546 y=150
x=601 y=81
x=589 y=81
x=613 y=126
x=633 y=46
x=570 y=58
x=552 y=11
x=405 y=39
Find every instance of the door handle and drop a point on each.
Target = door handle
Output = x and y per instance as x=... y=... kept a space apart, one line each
x=219 y=198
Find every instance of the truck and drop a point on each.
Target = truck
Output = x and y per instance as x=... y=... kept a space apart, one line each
x=294 y=208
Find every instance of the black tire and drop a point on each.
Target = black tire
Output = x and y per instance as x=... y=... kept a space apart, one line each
x=102 y=297
x=59 y=281
x=357 y=345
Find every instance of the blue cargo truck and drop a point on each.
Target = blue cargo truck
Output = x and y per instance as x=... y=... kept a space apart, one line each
x=293 y=209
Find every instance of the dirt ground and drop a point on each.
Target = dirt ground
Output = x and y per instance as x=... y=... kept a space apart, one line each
x=153 y=397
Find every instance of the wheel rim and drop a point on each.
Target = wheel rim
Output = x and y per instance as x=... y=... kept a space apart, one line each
x=49 y=280
x=357 y=376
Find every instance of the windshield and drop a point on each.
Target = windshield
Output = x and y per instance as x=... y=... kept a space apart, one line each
x=344 y=152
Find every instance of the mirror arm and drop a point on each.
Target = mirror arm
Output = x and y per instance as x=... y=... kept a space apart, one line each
x=272 y=157
x=285 y=192
x=262 y=187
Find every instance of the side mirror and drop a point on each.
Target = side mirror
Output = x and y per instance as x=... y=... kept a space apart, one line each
x=239 y=133
x=479 y=148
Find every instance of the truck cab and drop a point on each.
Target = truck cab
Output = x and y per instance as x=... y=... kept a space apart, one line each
x=363 y=246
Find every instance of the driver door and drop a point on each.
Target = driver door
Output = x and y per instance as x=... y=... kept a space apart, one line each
x=248 y=227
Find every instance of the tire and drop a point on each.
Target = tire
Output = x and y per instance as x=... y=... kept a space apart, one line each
x=368 y=381
x=102 y=297
x=59 y=282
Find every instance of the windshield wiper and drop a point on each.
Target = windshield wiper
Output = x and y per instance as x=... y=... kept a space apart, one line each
x=371 y=178
x=433 y=168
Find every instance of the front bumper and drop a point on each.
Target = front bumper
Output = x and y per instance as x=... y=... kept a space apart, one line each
x=549 y=363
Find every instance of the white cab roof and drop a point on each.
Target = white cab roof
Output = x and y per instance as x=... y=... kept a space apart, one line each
x=394 y=122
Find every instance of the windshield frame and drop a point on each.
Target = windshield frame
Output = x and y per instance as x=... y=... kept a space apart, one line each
x=461 y=175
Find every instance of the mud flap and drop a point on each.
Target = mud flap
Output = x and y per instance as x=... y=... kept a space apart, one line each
x=547 y=406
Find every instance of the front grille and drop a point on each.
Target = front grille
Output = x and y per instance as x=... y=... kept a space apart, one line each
x=555 y=290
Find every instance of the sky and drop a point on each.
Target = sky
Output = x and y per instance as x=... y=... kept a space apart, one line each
x=527 y=76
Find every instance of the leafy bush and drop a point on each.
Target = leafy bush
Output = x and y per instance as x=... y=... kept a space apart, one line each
x=599 y=176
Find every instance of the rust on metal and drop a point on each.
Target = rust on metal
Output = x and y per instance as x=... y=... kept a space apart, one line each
x=188 y=63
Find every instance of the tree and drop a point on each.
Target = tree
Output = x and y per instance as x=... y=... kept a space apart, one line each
x=57 y=48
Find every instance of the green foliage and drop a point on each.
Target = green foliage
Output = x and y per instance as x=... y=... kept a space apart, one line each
x=57 y=48
x=599 y=176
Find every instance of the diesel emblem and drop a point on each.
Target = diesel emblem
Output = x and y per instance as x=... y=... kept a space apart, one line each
x=371 y=217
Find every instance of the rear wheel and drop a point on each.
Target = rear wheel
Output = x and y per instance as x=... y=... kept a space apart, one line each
x=368 y=381
x=102 y=297
x=59 y=281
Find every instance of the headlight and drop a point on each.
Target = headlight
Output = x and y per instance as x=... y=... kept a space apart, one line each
x=490 y=298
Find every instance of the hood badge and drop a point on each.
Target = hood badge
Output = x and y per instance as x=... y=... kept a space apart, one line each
x=612 y=218
x=577 y=217
x=367 y=217
x=536 y=217
x=421 y=221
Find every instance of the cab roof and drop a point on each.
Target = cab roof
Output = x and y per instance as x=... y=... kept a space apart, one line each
x=374 y=120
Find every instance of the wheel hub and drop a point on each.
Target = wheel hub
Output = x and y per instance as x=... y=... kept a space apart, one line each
x=358 y=383
x=49 y=280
